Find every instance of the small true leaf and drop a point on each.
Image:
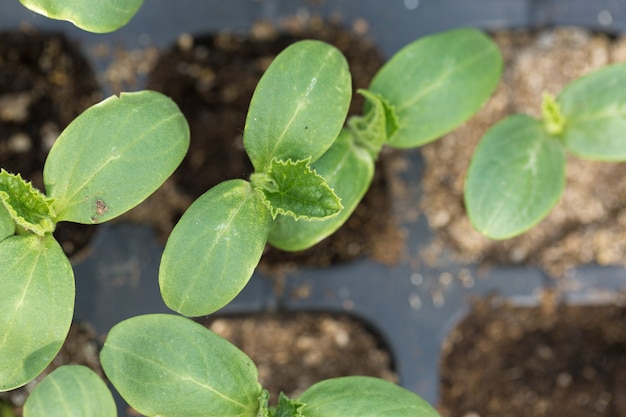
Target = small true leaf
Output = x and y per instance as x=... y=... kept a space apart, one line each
x=364 y=397
x=213 y=250
x=595 y=108
x=438 y=82
x=294 y=189
x=71 y=391
x=93 y=16
x=171 y=366
x=299 y=106
x=348 y=169
x=516 y=176
x=289 y=408
x=374 y=128
x=114 y=155
x=37 y=300
x=27 y=206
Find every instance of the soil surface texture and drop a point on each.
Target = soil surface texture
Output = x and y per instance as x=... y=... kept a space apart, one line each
x=551 y=360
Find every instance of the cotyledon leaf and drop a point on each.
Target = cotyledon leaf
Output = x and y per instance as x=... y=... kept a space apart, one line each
x=114 y=155
x=71 y=391
x=438 y=82
x=595 y=109
x=94 y=16
x=299 y=106
x=516 y=176
x=364 y=397
x=214 y=249
x=37 y=300
x=169 y=366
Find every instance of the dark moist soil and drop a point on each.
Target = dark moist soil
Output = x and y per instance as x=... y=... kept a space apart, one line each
x=552 y=360
x=294 y=351
x=212 y=79
x=44 y=84
x=588 y=225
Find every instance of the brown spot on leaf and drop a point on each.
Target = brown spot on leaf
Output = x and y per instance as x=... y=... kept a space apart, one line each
x=101 y=207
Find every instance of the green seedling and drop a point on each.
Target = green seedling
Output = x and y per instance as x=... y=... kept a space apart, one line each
x=295 y=115
x=93 y=16
x=155 y=360
x=311 y=171
x=517 y=173
x=105 y=162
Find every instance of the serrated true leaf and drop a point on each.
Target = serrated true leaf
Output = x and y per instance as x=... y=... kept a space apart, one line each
x=26 y=205
x=364 y=397
x=171 y=366
x=213 y=250
x=297 y=191
x=93 y=16
x=289 y=408
x=114 y=155
x=71 y=391
x=37 y=300
x=438 y=82
x=348 y=169
x=516 y=176
x=374 y=128
x=595 y=109
x=299 y=106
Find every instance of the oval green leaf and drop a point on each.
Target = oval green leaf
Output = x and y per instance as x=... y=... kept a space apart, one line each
x=299 y=105
x=516 y=176
x=595 y=109
x=348 y=169
x=438 y=82
x=364 y=397
x=214 y=249
x=71 y=391
x=114 y=155
x=37 y=300
x=93 y=16
x=171 y=366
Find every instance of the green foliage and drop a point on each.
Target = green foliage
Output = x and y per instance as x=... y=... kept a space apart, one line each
x=436 y=83
x=364 y=397
x=37 y=300
x=26 y=206
x=106 y=161
x=595 y=109
x=509 y=187
x=517 y=172
x=154 y=361
x=294 y=189
x=92 y=16
x=427 y=89
x=95 y=174
x=348 y=168
x=299 y=105
x=214 y=248
x=296 y=113
x=71 y=391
